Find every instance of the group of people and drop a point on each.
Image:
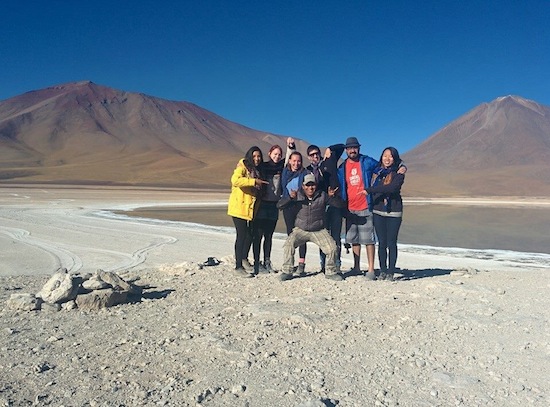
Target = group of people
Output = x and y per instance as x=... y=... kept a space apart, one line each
x=314 y=200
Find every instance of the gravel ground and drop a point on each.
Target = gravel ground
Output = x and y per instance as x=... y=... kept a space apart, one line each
x=206 y=337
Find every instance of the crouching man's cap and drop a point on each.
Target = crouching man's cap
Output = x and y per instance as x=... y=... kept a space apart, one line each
x=309 y=178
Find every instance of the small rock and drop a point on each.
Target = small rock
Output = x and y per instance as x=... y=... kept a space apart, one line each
x=47 y=307
x=238 y=389
x=42 y=367
x=24 y=302
x=61 y=287
x=99 y=299
x=420 y=363
x=118 y=283
x=94 y=283
x=69 y=305
x=313 y=403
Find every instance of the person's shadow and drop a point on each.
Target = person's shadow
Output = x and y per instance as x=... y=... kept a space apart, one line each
x=157 y=295
x=150 y=293
x=406 y=274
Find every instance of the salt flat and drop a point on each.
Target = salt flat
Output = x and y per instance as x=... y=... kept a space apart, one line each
x=44 y=229
x=459 y=327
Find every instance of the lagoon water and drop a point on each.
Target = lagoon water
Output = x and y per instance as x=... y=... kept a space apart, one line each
x=516 y=229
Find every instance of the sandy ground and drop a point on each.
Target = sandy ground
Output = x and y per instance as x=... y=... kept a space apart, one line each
x=457 y=327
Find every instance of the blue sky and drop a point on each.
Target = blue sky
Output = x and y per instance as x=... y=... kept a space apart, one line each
x=388 y=72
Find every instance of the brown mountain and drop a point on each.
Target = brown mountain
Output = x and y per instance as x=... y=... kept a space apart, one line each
x=83 y=133
x=498 y=148
x=87 y=133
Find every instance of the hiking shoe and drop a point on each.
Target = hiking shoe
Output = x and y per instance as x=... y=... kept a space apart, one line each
x=285 y=276
x=301 y=270
x=268 y=267
x=241 y=272
x=334 y=277
x=370 y=276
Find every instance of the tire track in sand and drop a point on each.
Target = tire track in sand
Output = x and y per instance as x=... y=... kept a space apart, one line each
x=63 y=258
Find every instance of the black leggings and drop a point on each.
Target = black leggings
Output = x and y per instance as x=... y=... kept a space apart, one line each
x=289 y=214
x=387 y=229
x=265 y=229
x=245 y=236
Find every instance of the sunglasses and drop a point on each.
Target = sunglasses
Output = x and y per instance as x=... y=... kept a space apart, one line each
x=310 y=184
x=314 y=154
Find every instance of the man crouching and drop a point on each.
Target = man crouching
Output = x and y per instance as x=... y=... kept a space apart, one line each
x=310 y=205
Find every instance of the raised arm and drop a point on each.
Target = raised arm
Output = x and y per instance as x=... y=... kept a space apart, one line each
x=290 y=148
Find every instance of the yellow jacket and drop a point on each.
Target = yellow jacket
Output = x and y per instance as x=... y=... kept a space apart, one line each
x=242 y=201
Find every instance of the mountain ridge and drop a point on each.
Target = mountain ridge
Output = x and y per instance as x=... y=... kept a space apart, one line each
x=57 y=133
x=84 y=133
x=496 y=148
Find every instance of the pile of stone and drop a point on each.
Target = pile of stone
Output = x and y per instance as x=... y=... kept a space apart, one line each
x=89 y=292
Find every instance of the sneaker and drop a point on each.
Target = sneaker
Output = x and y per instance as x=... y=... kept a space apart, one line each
x=268 y=267
x=257 y=267
x=371 y=276
x=389 y=276
x=382 y=275
x=285 y=276
x=334 y=277
x=241 y=272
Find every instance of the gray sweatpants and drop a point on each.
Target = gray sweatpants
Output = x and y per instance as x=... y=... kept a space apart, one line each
x=321 y=238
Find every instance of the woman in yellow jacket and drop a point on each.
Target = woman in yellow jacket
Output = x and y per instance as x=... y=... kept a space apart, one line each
x=246 y=187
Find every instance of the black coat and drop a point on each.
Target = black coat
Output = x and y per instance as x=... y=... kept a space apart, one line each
x=311 y=212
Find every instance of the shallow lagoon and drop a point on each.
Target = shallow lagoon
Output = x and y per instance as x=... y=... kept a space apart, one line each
x=519 y=229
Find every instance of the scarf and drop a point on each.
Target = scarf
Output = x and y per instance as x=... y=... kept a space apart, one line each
x=289 y=175
x=254 y=172
x=384 y=176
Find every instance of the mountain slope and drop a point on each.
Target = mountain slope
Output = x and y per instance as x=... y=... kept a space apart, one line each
x=86 y=133
x=83 y=133
x=498 y=148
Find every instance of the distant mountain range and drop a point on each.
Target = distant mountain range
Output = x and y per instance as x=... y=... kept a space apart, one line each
x=84 y=133
x=498 y=148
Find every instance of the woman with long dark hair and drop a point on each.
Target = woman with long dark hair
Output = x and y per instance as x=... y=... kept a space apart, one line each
x=387 y=209
x=268 y=214
x=246 y=187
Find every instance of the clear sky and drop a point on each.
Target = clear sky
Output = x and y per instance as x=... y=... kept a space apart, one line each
x=388 y=72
